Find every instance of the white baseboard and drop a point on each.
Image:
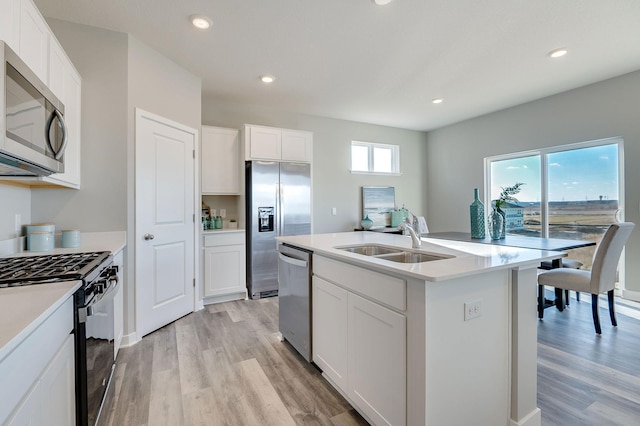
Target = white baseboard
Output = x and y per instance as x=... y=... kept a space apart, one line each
x=225 y=298
x=631 y=295
x=534 y=418
x=129 y=340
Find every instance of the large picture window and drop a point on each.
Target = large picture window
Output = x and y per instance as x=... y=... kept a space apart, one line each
x=368 y=157
x=571 y=192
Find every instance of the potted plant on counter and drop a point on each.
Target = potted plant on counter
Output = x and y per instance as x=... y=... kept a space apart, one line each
x=505 y=197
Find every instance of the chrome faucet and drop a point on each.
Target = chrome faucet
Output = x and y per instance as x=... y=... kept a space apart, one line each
x=406 y=226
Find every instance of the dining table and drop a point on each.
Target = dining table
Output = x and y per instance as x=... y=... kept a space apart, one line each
x=530 y=242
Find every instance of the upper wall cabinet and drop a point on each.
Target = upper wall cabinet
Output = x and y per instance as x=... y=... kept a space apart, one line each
x=65 y=83
x=271 y=143
x=25 y=30
x=220 y=156
x=33 y=39
x=9 y=17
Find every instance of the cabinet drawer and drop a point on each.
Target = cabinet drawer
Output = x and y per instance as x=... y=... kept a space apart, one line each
x=224 y=239
x=373 y=285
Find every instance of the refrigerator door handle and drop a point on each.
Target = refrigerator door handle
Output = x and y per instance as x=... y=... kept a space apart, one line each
x=279 y=205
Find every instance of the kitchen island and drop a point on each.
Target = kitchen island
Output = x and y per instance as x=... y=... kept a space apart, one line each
x=447 y=341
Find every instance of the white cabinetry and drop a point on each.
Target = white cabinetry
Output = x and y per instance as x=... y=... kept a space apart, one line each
x=9 y=17
x=297 y=145
x=271 y=143
x=65 y=83
x=220 y=166
x=38 y=378
x=26 y=31
x=52 y=400
x=33 y=39
x=329 y=331
x=359 y=343
x=224 y=266
x=118 y=305
x=377 y=361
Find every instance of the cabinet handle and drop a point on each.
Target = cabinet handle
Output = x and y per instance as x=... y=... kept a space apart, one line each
x=148 y=237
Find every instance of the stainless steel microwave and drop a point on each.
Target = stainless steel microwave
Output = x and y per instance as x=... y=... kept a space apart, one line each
x=33 y=134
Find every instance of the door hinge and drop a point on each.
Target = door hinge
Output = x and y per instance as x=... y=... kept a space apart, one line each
x=194 y=218
x=194 y=282
x=194 y=154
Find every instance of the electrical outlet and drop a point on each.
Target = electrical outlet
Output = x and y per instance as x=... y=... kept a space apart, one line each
x=334 y=211
x=18 y=223
x=472 y=310
x=223 y=213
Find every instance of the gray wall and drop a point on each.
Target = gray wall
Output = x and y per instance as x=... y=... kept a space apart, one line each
x=119 y=73
x=14 y=200
x=162 y=87
x=333 y=185
x=100 y=56
x=455 y=153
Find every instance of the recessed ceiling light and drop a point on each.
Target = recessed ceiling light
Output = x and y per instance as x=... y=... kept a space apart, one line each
x=267 y=78
x=558 y=53
x=437 y=100
x=200 y=21
x=381 y=2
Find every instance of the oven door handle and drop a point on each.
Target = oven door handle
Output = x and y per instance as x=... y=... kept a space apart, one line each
x=87 y=310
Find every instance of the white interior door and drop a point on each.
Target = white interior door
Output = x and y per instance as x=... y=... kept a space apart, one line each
x=164 y=243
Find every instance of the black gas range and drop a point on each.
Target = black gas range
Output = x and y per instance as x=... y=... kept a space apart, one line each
x=42 y=269
x=93 y=337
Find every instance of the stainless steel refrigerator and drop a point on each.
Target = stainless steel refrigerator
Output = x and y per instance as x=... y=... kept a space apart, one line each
x=278 y=203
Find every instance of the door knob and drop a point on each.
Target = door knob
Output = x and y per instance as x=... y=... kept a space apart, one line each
x=149 y=237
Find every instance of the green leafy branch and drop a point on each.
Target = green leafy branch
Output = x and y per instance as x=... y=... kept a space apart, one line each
x=507 y=195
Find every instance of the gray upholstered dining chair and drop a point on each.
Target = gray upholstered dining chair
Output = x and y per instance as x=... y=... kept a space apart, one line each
x=601 y=277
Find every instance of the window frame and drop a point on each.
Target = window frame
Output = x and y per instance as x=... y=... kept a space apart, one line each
x=543 y=153
x=395 y=158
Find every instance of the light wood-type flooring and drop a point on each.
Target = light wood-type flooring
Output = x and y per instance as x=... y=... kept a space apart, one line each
x=225 y=366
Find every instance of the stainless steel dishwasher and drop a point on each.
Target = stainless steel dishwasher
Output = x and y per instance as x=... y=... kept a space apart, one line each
x=294 y=294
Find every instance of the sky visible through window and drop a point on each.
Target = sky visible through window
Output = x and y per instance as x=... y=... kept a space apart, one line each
x=575 y=175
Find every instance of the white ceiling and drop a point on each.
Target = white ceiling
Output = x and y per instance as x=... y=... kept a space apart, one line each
x=353 y=60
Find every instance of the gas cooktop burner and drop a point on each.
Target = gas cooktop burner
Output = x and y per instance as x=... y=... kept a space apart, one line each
x=24 y=270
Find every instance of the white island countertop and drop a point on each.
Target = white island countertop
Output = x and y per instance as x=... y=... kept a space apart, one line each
x=468 y=258
x=23 y=309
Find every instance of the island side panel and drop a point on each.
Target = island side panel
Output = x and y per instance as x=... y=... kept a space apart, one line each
x=524 y=377
x=468 y=362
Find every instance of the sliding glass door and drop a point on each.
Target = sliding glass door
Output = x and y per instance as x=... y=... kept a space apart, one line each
x=570 y=192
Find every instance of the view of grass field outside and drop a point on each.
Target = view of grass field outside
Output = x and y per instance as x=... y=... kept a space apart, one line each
x=582 y=193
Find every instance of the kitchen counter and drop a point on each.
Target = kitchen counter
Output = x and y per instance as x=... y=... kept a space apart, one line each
x=22 y=309
x=469 y=258
x=221 y=231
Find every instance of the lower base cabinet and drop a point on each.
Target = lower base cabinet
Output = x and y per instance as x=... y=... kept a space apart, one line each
x=224 y=267
x=37 y=378
x=360 y=345
x=329 y=344
x=52 y=400
x=377 y=361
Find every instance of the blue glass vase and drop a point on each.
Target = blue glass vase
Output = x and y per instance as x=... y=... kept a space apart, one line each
x=476 y=213
x=496 y=223
x=366 y=223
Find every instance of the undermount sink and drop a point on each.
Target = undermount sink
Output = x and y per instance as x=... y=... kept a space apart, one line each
x=371 y=250
x=411 y=257
x=393 y=254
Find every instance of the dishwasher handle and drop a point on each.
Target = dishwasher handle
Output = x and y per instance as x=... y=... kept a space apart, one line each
x=293 y=261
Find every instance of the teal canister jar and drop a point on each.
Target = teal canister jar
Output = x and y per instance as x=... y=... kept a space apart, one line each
x=40 y=237
x=476 y=213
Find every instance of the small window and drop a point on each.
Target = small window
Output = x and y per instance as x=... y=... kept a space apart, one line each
x=374 y=158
